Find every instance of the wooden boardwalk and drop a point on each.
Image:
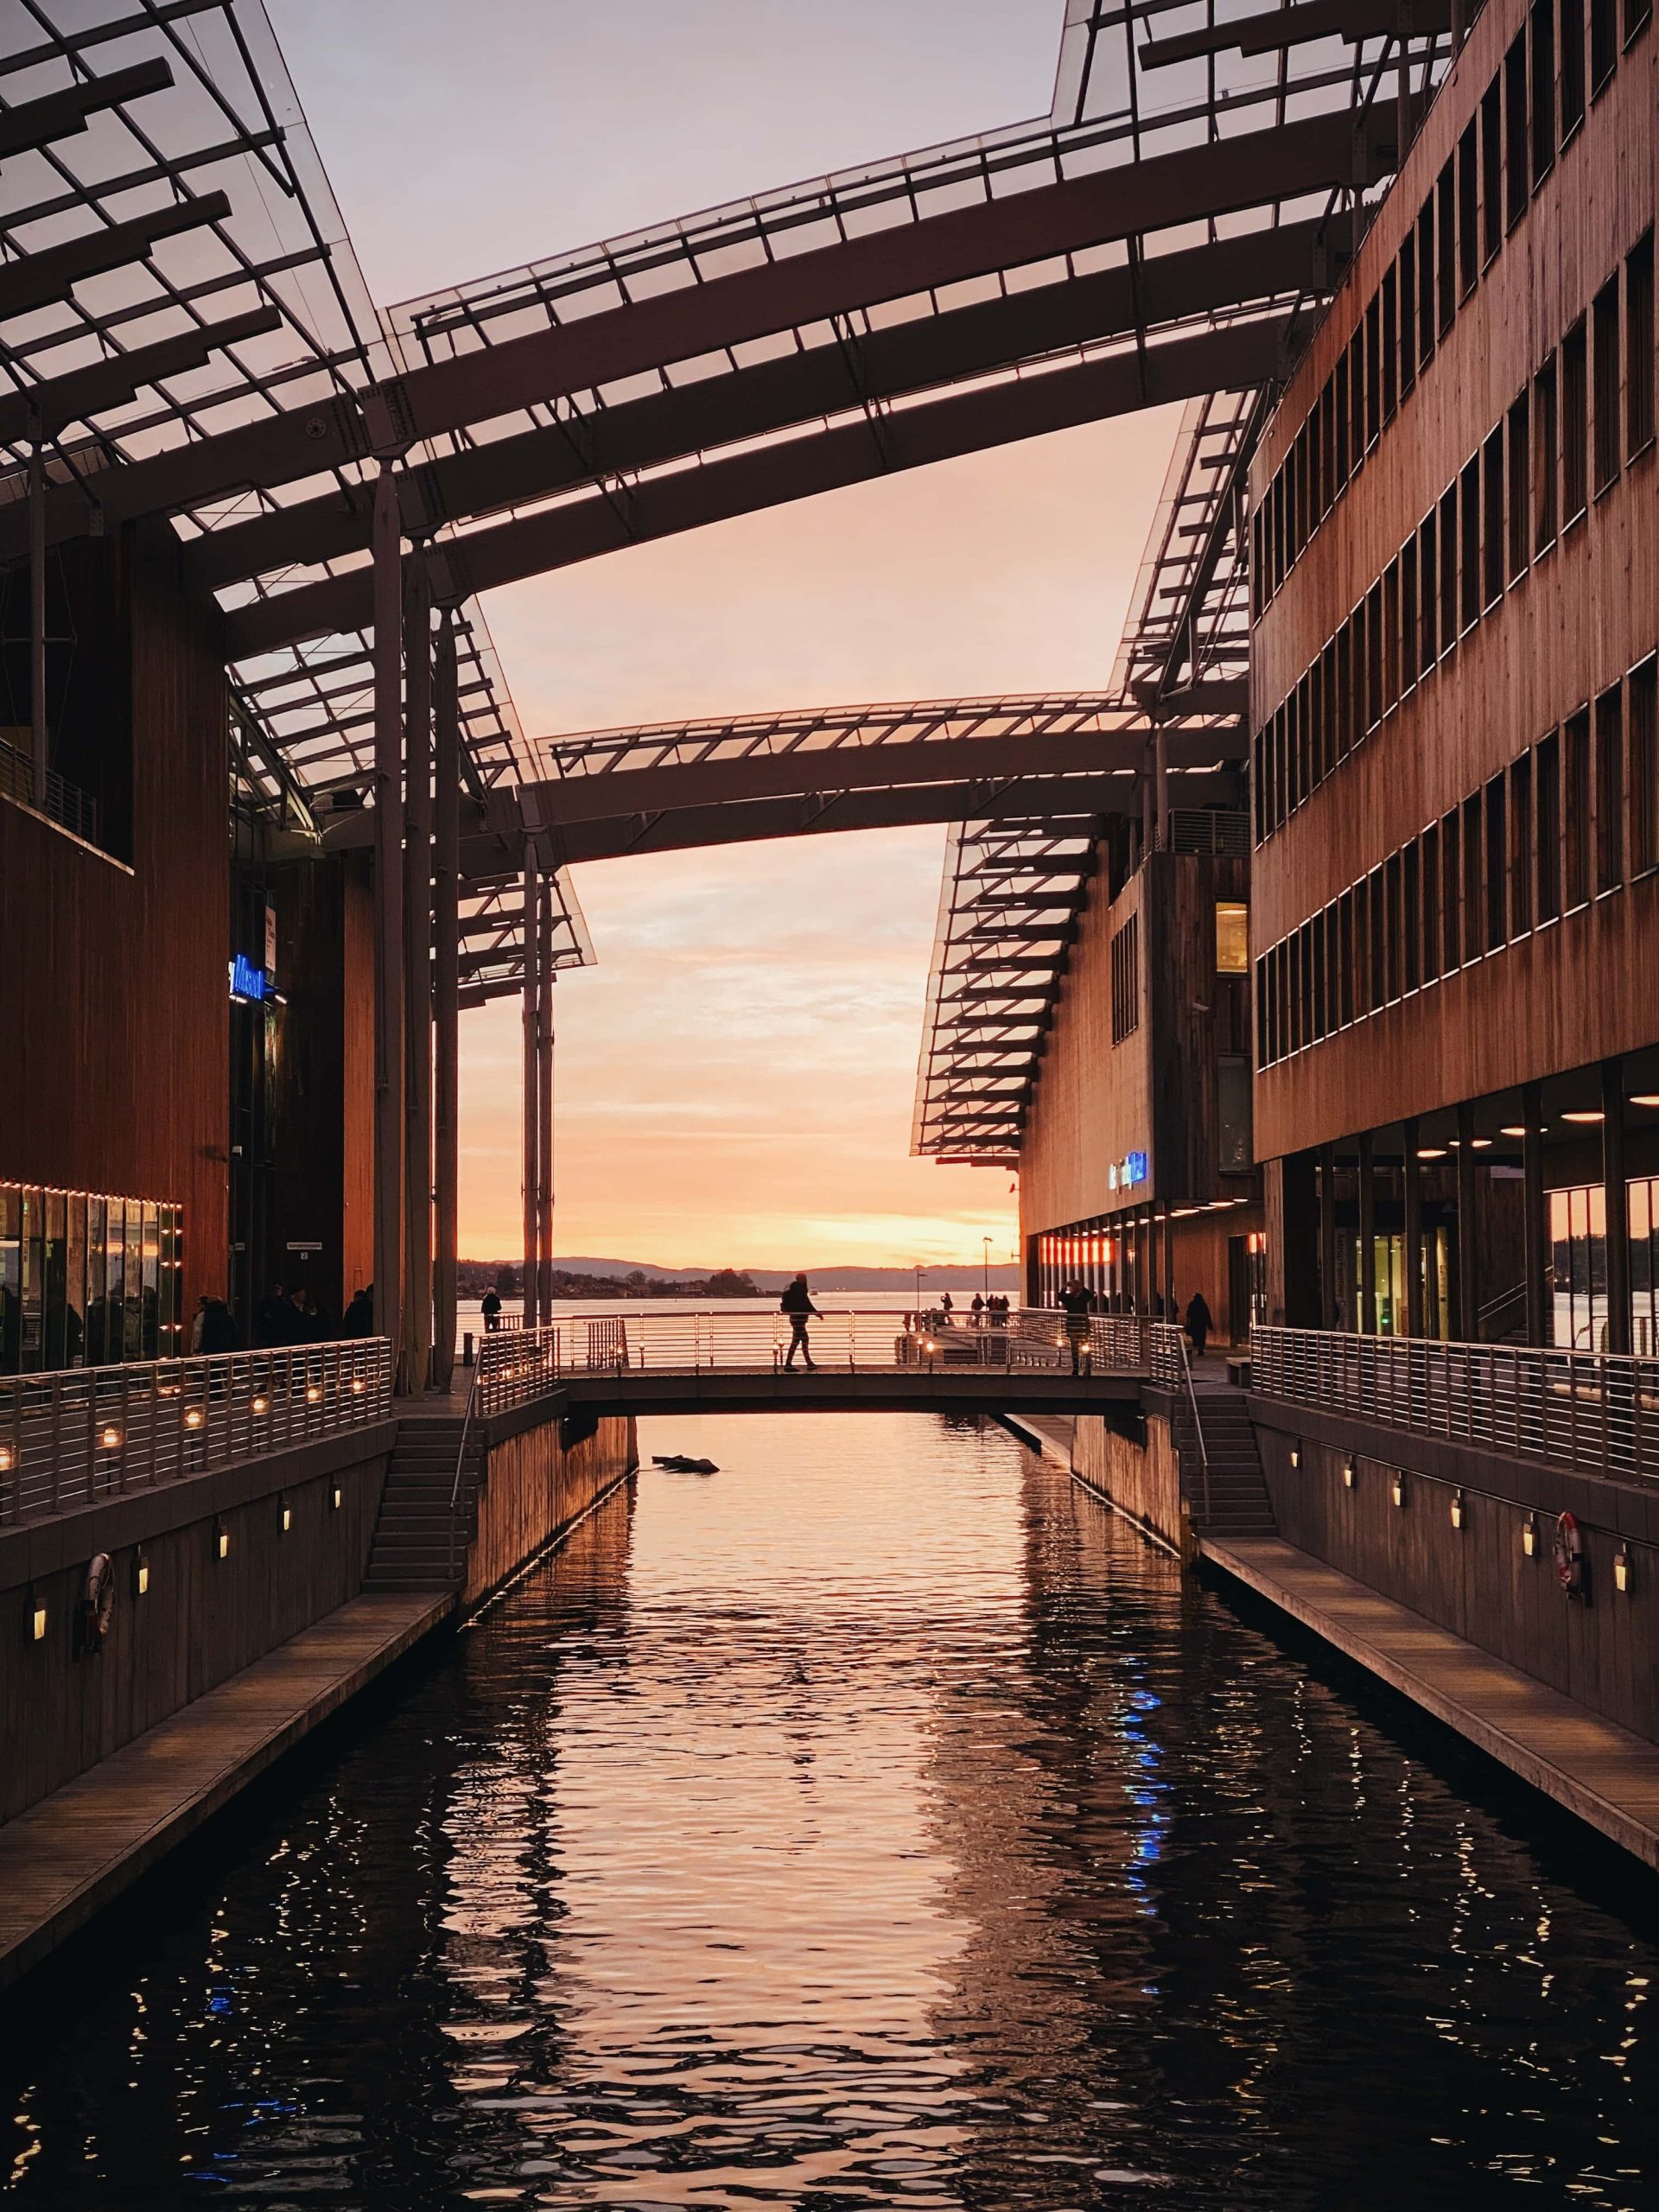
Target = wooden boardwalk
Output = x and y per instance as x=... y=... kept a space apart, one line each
x=65 y=1858
x=1604 y=1774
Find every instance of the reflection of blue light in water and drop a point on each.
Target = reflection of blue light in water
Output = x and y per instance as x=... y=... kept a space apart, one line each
x=220 y=2002
x=1147 y=1843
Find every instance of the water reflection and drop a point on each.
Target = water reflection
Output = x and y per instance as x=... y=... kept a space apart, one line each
x=876 y=1823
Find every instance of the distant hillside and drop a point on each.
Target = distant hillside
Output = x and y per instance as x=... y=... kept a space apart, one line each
x=969 y=1278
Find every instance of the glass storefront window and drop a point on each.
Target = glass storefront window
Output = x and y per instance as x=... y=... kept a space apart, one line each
x=85 y=1281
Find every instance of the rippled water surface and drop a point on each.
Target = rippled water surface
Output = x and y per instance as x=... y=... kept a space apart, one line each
x=878 y=1822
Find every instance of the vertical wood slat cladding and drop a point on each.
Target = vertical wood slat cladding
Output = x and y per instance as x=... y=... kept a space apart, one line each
x=1155 y=1090
x=1582 y=614
x=113 y=1000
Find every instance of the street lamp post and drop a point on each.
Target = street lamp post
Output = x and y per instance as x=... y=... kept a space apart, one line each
x=986 y=1286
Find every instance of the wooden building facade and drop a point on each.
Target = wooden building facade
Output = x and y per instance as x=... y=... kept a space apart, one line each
x=1455 y=723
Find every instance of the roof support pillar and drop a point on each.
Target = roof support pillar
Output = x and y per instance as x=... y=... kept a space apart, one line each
x=530 y=1278
x=417 y=978
x=544 y=1104
x=388 y=910
x=40 y=743
x=446 y=978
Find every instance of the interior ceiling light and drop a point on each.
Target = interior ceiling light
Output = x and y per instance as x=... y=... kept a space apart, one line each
x=1480 y=1144
x=1431 y=1152
x=1644 y=1098
x=1587 y=1114
x=1511 y=1129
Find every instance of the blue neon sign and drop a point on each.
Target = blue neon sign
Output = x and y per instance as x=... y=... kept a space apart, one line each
x=1134 y=1168
x=250 y=983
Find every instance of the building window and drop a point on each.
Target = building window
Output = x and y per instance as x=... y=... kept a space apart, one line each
x=1543 y=90
x=1575 y=809
x=1545 y=432
x=1232 y=938
x=1516 y=166
x=1641 y=736
x=1604 y=321
x=1233 y=1141
x=1609 y=790
x=1126 y=980
x=86 y=1281
x=1520 y=488
x=1575 y=423
x=1491 y=170
x=1638 y=345
x=1571 y=67
x=1520 y=845
x=1604 y=42
x=1578 y=1268
x=1548 y=799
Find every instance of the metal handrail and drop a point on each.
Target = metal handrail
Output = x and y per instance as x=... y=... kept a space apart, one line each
x=72 y=1436
x=1595 y=1411
x=1170 y=1341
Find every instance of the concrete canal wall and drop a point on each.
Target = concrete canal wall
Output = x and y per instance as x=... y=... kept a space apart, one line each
x=224 y=1582
x=1143 y=1481
x=535 y=1483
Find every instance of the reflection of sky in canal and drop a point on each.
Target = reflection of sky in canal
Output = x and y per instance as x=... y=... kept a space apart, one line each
x=879 y=1822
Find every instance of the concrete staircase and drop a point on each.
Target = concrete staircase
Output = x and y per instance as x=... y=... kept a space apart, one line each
x=423 y=1529
x=1238 y=1490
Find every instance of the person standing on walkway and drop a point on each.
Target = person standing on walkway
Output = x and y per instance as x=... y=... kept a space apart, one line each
x=1199 y=1323
x=359 y=1317
x=1075 y=1304
x=796 y=1302
x=490 y=1307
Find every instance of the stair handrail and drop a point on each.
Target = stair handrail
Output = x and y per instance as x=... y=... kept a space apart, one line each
x=460 y=1456
x=1198 y=1423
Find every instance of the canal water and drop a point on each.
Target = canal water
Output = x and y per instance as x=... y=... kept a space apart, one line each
x=878 y=1822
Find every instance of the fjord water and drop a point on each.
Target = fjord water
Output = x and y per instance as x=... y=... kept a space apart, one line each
x=878 y=1822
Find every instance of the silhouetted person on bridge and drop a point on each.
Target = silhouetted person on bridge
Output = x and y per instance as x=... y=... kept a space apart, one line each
x=1199 y=1322
x=489 y=1307
x=217 y=1331
x=1075 y=1304
x=358 y=1320
x=796 y=1302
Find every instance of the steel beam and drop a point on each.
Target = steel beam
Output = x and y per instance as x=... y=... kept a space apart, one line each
x=446 y=980
x=859 y=451
x=824 y=380
x=39 y=280
x=79 y=394
x=544 y=1103
x=61 y=115
x=1270 y=33
x=1220 y=177
x=388 y=912
x=40 y=737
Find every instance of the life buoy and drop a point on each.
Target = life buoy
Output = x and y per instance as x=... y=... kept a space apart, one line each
x=1569 y=1555
x=97 y=1603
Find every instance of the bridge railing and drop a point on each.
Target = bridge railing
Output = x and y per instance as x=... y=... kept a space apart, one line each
x=515 y=1366
x=1595 y=1411
x=78 y=1434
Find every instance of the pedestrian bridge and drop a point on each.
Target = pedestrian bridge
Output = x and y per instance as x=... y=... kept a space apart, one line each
x=729 y=1359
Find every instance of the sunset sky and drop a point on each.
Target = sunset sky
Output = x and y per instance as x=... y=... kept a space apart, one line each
x=736 y=1076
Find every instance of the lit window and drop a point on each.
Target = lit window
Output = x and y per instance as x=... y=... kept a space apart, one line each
x=1232 y=938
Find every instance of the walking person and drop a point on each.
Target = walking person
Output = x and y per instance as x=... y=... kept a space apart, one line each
x=796 y=1302
x=1075 y=1304
x=1199 y=1323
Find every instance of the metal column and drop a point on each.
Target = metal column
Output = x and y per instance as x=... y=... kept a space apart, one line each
x=1411 y=1184
x=1468 y=1248
x=1329 y=1304
x=532 y=1086
x=1367 y=1235
x=445 y=982
x=40 y=743
x=1615 y=1199
x=388 y=908
x=1535 y=1229
x=417 y=979
x=544 y=1106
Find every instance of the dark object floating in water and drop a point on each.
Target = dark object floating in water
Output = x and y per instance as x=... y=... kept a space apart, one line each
x=677 y=1464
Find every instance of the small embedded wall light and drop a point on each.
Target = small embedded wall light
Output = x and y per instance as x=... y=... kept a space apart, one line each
x=140 y=1574
x=109 y=1438
x=1348 y=1474
x=261 y=1404
x=7 y=1460
x=221 y=1540
x=1397 y=1488
x=36 y=1619
x=288 y=1517
x=1621 y=1569
x=337 y=1497
x=1295 y=1455
x=1457 y=1508
x=1530 y=1535
x=193 y=1418
x=314 y=1394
